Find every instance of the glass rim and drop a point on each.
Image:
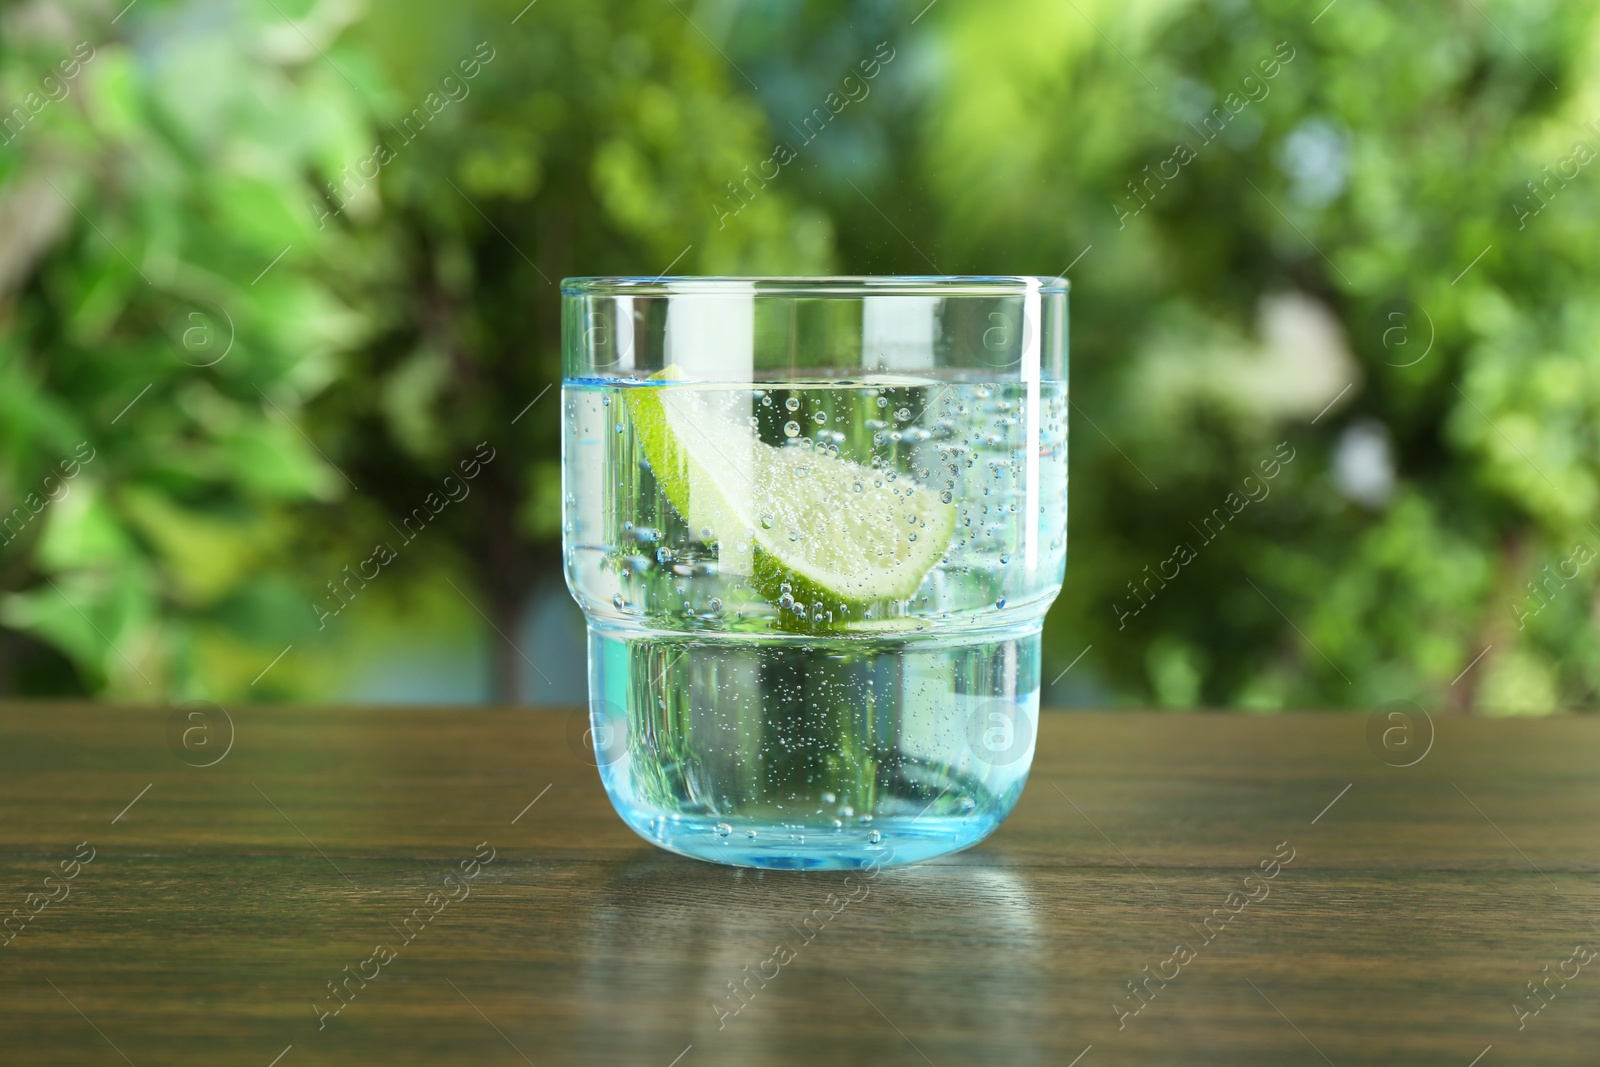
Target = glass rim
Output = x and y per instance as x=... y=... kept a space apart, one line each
x=842 y=285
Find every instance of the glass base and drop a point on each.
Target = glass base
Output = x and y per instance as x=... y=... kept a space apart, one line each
x=777 y=846
x=807 y=752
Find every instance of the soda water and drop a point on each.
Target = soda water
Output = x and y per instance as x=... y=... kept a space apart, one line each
x=815 y=641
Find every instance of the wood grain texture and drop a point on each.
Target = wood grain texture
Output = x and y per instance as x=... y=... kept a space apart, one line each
x=220 y=904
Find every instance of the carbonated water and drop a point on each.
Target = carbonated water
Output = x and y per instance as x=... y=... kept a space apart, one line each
x=814 y=638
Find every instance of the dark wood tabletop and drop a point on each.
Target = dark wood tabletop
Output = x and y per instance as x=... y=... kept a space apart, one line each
x=396 y=886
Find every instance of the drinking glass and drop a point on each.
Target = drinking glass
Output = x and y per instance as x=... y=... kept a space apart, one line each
x=814 y=525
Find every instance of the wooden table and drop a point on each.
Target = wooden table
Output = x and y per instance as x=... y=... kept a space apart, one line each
x=221 y=901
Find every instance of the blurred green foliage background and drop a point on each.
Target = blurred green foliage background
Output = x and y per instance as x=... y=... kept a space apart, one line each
x=270 y=270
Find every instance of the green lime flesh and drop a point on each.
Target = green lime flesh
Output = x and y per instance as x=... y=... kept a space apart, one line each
x=832 y=543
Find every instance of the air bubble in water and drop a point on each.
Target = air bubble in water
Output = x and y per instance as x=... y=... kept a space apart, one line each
x=793 y=403
x=821 y=417
x=716 y=604
x=617 y=601
x=946 y=497
x=766 y=522
x=1000 y=603
x=723 y=829
x=874 y=836
x=791 y=428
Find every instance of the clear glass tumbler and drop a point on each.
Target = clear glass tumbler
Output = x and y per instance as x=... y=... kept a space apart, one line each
x=814 y=525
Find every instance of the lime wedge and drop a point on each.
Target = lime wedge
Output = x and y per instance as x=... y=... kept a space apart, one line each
x=824 y=539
